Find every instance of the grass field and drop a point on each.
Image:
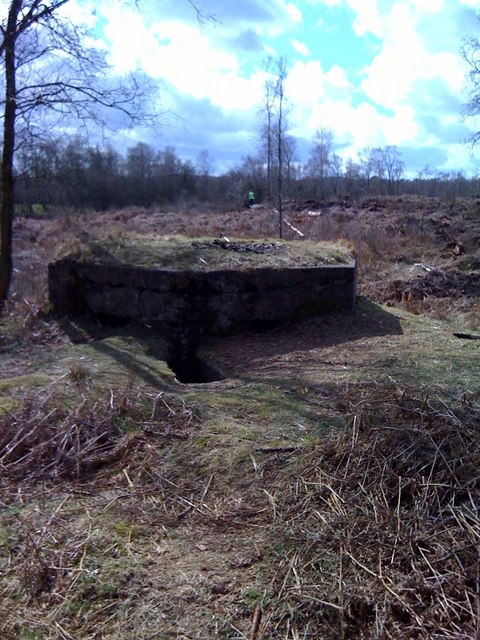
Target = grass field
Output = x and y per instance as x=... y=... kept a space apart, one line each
x=327 y=486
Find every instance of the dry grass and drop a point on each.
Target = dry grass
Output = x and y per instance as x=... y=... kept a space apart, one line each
x=126 y=515
x=205 y=254
x=78 y=482
x=372 y=532
x=48 y=440
x=381 y=530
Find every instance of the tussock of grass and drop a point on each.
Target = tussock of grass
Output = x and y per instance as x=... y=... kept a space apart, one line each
x=46 y=439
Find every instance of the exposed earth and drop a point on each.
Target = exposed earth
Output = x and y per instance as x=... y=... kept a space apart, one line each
x=326 y=485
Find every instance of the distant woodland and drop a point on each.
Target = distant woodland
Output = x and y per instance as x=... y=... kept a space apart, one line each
x=69 y=173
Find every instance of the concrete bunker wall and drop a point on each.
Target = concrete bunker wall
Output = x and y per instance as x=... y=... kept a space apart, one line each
x=200 y=303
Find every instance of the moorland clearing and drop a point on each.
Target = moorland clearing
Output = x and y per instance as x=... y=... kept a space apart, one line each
x=327 y=487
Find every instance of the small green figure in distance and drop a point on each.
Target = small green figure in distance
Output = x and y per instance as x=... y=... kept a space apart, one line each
x=251 y=198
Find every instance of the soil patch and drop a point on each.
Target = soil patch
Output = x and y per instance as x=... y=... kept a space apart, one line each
x=451 y=284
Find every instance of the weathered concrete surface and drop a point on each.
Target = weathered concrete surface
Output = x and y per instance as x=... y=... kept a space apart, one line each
x=200 y=302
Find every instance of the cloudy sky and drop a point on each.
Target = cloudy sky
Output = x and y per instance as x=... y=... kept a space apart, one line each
x=374 y=72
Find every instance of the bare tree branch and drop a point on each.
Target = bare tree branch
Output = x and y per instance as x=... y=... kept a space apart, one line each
x=48 y=68
x=471 y=54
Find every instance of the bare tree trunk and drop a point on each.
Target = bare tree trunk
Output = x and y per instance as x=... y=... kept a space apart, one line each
x=267 y=131
x=7 y=180
x=269 y=153
x=280 y=141
x=280 y=176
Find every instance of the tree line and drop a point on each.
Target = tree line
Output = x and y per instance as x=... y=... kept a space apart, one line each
x=70 y=173
x=77 y=175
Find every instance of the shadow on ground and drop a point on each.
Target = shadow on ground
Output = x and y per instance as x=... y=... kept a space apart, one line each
x=246 y=351
x=135 y=348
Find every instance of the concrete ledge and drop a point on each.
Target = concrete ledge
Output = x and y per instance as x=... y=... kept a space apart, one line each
x=200 y=301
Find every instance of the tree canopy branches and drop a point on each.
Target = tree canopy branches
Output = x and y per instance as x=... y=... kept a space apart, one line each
x=48 y=68
x=57 y=73
x=471 y=54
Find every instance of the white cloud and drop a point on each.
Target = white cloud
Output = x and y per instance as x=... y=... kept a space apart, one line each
x=367 y=18
x=80 y=13
x=294 y=13
x=389 y=78
x=404 y=61
x=322 y=98
x=300 y=47
x=308 y=83
x=433 y=6
x=393 y=19
x=360 y=126
x=127 y=27
x=337 y=77
x=458 y=157
x=402 y=127
x=305 y=83
x=183 y=56
x=447 y=66
x=373 y=106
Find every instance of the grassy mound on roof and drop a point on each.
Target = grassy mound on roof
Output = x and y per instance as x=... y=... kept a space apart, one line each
x=206 y=254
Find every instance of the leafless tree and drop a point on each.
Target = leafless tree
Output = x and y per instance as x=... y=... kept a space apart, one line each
x=280 y=131
x=266 y=132
x=280 y=128
x=471 y=54
x=320 y=162
x=377 y=159
x=394 y=167
x=352 y=176
x=47 y=68
x=205 y=167
x=278 y=148
x=336 y=172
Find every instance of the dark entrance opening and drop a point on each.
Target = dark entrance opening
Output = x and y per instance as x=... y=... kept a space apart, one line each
x=189 y=368
x=111 y=321
x=263 y=326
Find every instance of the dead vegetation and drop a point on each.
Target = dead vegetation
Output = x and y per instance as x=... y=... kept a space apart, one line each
x=381 y=529
x=370 y=532
x=319 y=496
x=48 y=440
